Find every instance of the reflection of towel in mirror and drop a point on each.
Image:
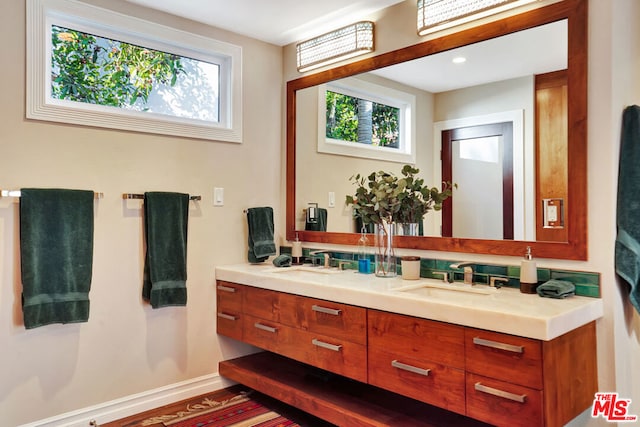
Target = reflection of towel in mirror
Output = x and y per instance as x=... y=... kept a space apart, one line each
x=627 y=257
x=165 y=268
x=321 y=221
x=261 y=244
x=556 y=289
x=56 y=251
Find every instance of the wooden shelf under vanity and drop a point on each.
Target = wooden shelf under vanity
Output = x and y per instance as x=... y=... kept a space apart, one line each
x=334 y=398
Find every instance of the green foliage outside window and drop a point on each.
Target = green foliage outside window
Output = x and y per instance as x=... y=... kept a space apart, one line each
x=96 y=70
x=346 y=118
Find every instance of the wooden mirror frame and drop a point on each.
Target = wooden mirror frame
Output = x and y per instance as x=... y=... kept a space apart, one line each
x=575 y=248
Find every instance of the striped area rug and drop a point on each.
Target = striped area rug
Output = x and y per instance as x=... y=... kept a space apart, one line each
x=239 y=413
x=245 y=409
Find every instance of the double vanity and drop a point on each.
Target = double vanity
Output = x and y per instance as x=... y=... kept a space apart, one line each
x=475 y=353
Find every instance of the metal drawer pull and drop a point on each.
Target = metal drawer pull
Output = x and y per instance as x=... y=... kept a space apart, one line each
x=226 y=288
x=520 y=398
x=326 y=345
x=320 y=309
x=499 y=345
x=265 y=327
x=227 y=316
x=414 y=369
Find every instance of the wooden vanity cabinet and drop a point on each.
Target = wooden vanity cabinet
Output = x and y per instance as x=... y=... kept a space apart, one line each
x=418 y=358
x=514 y=381
x=229 y=309
x=323 y=334
x=501 y=379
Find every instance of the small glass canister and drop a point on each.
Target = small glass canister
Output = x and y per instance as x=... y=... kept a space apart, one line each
x=410 y=267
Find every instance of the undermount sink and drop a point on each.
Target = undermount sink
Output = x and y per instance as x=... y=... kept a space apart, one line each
x=434 y=289
x=301 y=269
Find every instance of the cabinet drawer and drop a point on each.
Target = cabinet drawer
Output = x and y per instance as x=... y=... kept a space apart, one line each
x=229 y=309
x=505 y=357
x=338 y=356
x=422 y=380
x=229 y=295
x=503 y=404
x=341 y=321
x=263 y=303
x=416 y=338
x=266 y=334
x=329 y=353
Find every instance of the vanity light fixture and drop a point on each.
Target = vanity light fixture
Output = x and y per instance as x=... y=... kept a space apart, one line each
x=436 y=15
x=343 y=43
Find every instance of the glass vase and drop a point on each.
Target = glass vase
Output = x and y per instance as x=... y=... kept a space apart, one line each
x=407 y=229
x=385 y=255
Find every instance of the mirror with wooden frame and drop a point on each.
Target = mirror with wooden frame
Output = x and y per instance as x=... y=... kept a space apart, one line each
x=566 y=242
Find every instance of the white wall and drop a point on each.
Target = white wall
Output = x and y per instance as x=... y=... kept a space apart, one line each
x=127 y=347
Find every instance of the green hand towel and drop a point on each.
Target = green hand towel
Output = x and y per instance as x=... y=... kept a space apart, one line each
x=627 y=249
x=261 y=244
x=56 y=255
x=165 y=269
x=283 y=260
x=556 y=289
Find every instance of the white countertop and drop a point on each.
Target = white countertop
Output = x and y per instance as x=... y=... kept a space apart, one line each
x=504 y=310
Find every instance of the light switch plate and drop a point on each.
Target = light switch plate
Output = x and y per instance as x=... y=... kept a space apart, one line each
x=218 y=196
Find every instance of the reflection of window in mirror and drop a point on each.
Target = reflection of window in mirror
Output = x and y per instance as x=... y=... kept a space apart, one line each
x=362 y=119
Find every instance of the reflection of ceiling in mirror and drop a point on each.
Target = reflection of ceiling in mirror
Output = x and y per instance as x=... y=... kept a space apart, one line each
x=533 y=51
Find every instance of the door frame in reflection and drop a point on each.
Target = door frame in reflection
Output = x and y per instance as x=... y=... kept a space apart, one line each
x=523 y=169
x=503 y=158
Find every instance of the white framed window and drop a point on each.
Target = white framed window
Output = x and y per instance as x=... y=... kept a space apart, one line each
x=196 y=91
x=386 y=133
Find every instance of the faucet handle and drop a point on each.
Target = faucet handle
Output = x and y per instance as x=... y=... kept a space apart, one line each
x=344 y=265
x=494 y=279
x=444 y=274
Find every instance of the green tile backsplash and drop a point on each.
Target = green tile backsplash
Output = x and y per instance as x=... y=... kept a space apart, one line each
x=587 y=283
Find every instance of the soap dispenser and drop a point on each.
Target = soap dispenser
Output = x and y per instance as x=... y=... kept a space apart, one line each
x=364 y=260
x=296 y=251
x=528 y=274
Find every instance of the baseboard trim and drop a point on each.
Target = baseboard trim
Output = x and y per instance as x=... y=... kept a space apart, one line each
x=135 y=403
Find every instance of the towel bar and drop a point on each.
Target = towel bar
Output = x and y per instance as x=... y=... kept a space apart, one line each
x=141 y=196
x=17 y=193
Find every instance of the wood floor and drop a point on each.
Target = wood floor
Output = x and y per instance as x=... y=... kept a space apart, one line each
x=291 y=413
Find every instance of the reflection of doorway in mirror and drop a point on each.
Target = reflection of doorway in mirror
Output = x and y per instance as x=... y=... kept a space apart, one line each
x=478 y=159
x=523 y=183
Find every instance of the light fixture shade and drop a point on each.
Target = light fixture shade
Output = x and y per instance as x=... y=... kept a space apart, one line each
x=346 y=42
x=435 y=15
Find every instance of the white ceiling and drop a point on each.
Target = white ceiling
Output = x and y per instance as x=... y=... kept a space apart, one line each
x=534 y=51
x=279 y=22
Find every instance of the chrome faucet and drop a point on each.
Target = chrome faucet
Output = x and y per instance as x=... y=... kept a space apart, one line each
x=467 y=269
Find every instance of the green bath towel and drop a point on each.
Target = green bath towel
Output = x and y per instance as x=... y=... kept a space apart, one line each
x=165 y=269
x=56 y=255
x=261 y=244
x=627 y=249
